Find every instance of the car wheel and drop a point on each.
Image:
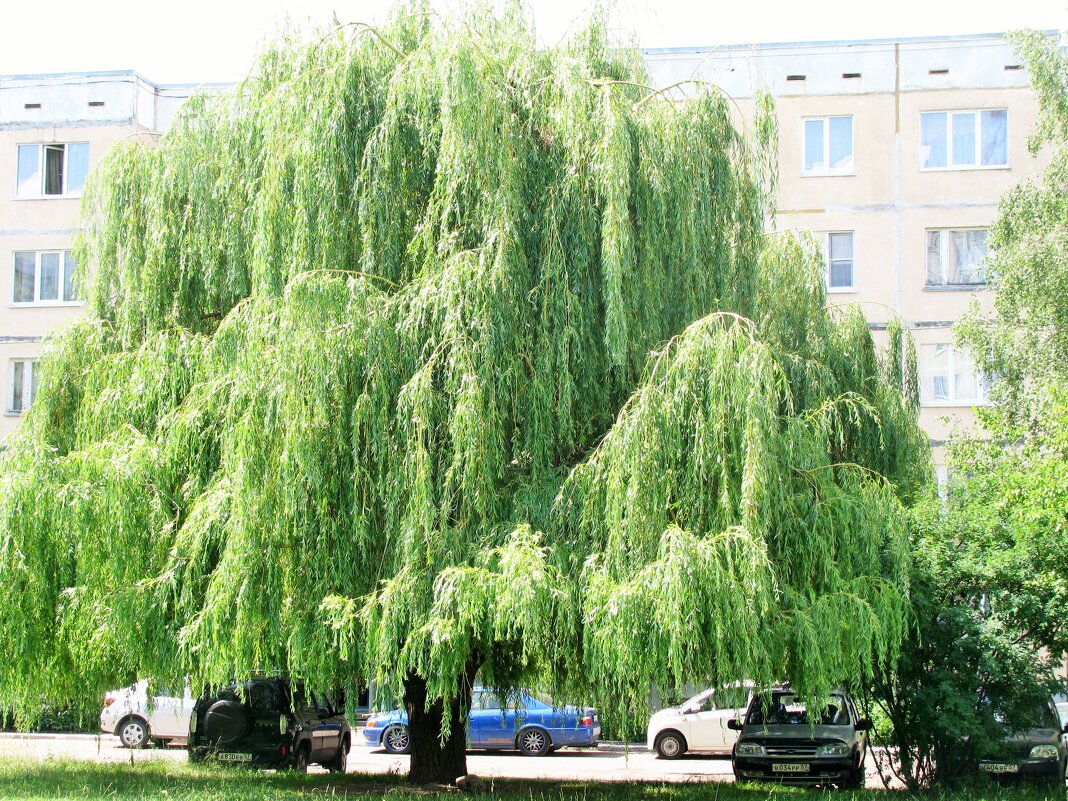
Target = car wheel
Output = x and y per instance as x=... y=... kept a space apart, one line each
x=396 y=739
x=670 y=745
x=534 y=742
x=340 y=763
x=133 y=733
x=300 y=761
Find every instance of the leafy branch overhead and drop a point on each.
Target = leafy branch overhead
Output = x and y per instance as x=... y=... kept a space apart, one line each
x=428 y=348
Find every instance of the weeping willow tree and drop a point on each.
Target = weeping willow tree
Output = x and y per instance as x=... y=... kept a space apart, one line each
x=428 y=354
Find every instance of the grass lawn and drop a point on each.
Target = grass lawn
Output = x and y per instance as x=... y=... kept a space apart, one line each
x=30 y=779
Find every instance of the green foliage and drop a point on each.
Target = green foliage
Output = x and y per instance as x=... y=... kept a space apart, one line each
x=1025 y=341
x=989 y=602
x=365 y=392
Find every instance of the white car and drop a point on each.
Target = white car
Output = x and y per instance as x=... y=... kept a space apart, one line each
x=700 y=724
x=136 y=717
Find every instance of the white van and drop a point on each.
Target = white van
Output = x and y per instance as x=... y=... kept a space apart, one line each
x=136 y=717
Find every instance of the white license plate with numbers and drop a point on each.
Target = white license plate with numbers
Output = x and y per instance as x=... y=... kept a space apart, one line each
x=230 y=757
x=1000 y=767
x=789 y=767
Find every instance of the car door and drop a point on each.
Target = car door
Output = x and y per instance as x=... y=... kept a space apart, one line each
x=497 y=726
x=327 y=731
x=700 y=722
x=165 y=714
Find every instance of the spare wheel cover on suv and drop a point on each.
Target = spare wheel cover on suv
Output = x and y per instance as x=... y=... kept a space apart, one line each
x=226 y=723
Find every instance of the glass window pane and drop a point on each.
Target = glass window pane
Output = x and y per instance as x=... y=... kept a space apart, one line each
x=53 y=178
x=969 y=252
x=933 y=139
x=29 y=171
x=25 y=267
x=814 y=146
x=77 y=167
x=49 y=288
x=841 y=274
x=841 y=143
x=18 y=379
x=841 y=246
x=934 y=373
x=995 y=126
x=935 y=276
x=965 y=385
x=31 y=368
x=964 y=139
x=70 y=291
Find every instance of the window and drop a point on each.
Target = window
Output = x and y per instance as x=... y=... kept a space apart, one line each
x=23 y=386
x=956 y=257
x=960 y=140
x=52 y=170
x=948 y=377
x=828 y=146
x=838 y=254
x=44 y=277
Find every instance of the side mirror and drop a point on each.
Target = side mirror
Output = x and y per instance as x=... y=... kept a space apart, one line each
x=734 y=724
x=863 y=725
x=1065 y=729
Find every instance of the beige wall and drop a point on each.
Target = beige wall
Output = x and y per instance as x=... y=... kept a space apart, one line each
x=36 y=224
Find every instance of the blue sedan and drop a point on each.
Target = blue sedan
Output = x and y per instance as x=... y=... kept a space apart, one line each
x=531 y=726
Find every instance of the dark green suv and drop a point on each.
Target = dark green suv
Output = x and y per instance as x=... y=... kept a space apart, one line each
x=269 y=722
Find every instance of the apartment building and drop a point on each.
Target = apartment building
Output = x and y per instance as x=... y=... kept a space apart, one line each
x=53 y=130
x=895 y=153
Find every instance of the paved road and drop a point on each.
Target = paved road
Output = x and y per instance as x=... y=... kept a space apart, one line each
x=606 y=763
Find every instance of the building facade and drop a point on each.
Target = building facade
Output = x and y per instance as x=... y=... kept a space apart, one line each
x=895 y=154
x=53 y=130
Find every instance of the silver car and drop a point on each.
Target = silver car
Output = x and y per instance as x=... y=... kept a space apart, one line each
x=781 y=739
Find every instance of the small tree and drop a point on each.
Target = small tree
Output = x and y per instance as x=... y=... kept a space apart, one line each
x=428 y=354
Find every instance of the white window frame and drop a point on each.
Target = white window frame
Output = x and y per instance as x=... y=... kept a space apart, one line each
x=943 y=253
x=827 y=262
x=828 y=170
x=66 y=261
x=41 y=146
x=28 y=385
x=952 y=400
x=978 y=115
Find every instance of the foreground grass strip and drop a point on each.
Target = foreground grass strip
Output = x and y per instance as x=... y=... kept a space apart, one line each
x=28 y=780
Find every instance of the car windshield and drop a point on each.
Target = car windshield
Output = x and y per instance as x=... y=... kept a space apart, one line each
x=785 y=709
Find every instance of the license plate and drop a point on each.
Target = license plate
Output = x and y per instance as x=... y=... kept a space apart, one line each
x=228 y=757
x=789 y=767
x=1000 y=767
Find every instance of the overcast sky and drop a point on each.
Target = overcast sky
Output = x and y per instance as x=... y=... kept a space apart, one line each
x=196 y=41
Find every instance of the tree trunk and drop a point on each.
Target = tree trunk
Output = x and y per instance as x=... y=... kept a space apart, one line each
x=434 y=761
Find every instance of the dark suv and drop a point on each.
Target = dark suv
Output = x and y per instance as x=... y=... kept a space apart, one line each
x=269 y=722
x=783 y=740
x=1036 y=752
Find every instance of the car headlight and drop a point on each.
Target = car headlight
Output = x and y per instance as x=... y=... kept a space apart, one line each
x=1044 y=752
x=837 y=749
x=750 y=749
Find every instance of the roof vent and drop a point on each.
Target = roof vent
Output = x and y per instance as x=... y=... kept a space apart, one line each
x=850 y=74
x=96 y=103
x=795 y=77
x=32 y=105
x=942 y=71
